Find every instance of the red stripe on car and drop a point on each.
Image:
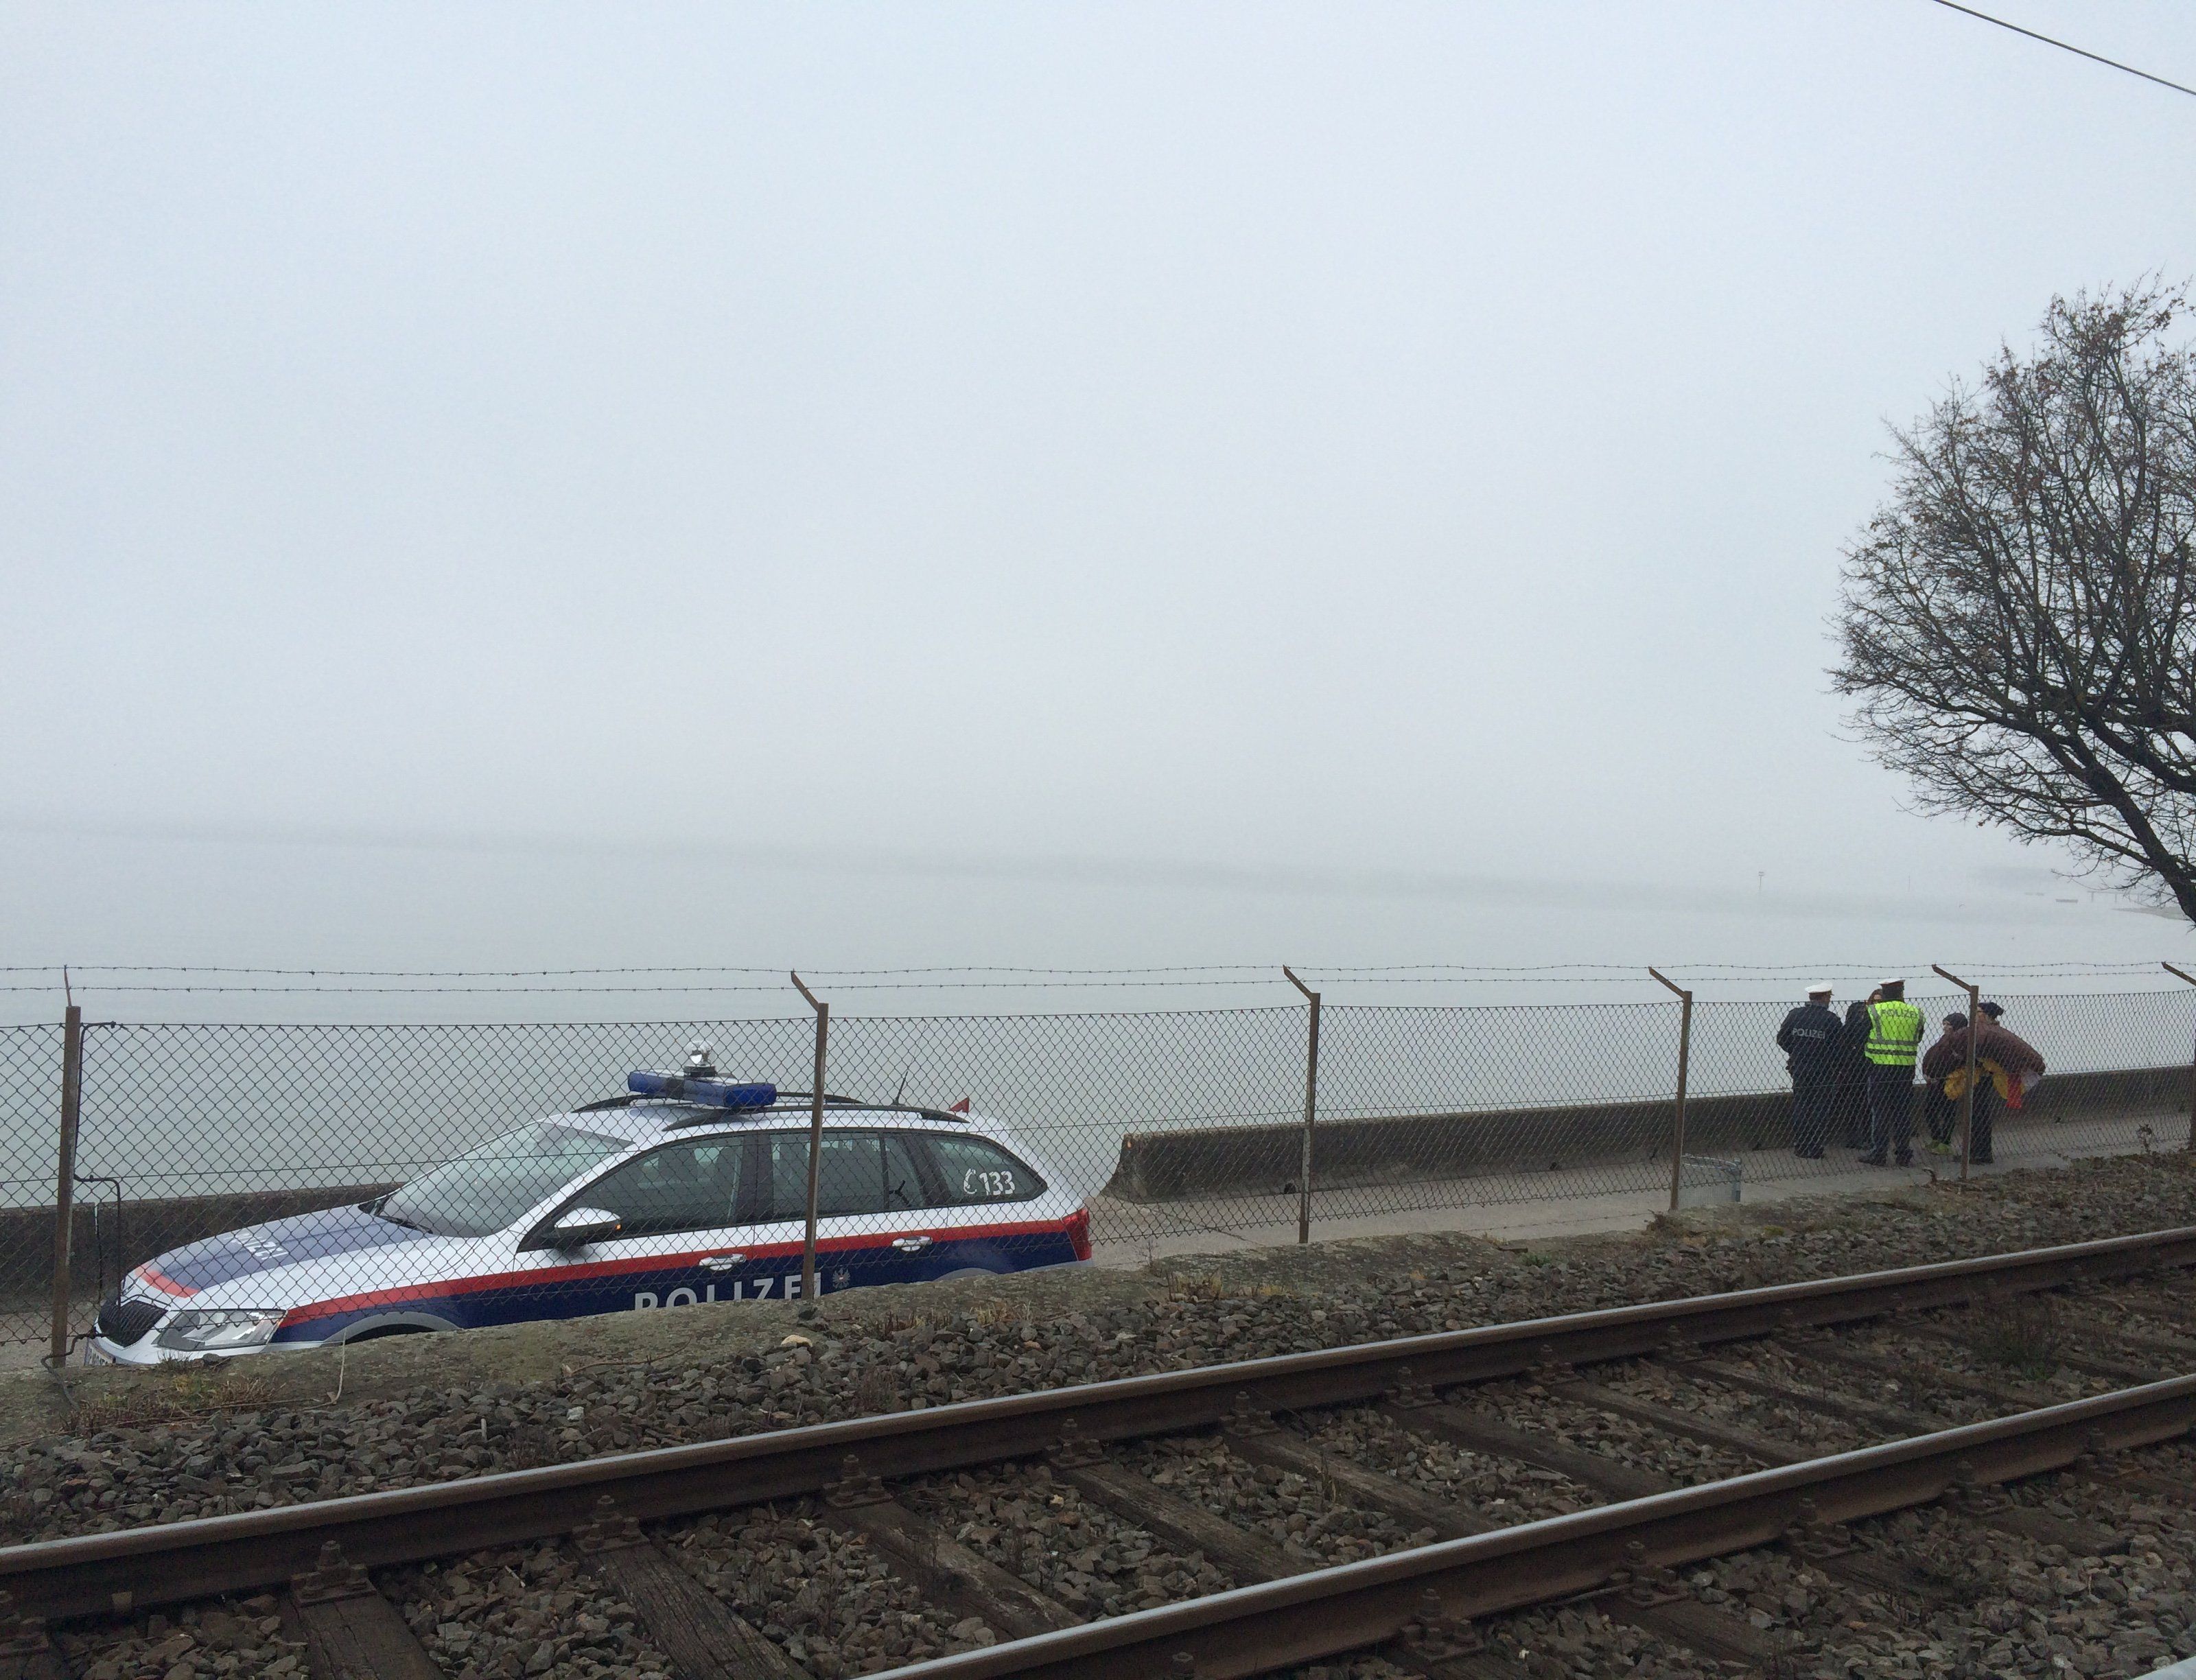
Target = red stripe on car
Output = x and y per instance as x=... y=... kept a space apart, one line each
x=161 y=1281
x=651 y=1262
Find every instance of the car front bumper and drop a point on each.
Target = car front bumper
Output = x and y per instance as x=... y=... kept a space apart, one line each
x=148 y=1350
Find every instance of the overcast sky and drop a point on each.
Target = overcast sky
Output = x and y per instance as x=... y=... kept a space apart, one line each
x=509 y=485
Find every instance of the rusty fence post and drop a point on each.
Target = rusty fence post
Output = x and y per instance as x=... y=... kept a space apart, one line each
x=2183 y=973
x=815 y=1138
x=1967 y=1097
x=1685 y=1063
x=1311 y=1109
x=65 y=1178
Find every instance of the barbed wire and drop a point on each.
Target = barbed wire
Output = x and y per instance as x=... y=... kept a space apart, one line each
x=1919 y=977
x=519 y=991
x=1218 y=973
x=635 y=968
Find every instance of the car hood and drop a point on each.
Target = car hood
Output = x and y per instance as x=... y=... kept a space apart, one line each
x=256 y=1250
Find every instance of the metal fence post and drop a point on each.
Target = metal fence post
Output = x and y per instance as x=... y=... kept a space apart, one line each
x=1311 y=1108
x=1967 y=1097
x=65 y=1178
x=815 y=1140
x=2184 y=974
x=1684 y=1062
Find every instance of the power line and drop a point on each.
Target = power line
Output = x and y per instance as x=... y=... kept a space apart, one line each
x=2066 y=47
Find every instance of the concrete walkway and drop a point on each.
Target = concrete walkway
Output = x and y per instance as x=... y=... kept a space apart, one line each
x=1577 y=1201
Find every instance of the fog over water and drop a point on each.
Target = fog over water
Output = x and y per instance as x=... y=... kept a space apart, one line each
x=1074 y=487
x=517 y=908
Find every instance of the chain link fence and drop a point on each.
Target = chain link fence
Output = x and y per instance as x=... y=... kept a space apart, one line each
x=30 y=1101
x=245 y=1179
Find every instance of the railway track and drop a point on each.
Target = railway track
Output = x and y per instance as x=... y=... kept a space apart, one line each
x=1745 y=1389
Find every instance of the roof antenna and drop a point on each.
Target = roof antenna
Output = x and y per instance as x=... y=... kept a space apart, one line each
x=901 y=1091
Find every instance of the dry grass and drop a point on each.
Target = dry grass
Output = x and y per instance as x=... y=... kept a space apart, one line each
x=1202 y=1286
x=2021 y=1334
x=877 y=1392
x=168 y=1400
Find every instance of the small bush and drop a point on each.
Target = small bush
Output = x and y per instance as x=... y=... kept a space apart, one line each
x=2021 y=1334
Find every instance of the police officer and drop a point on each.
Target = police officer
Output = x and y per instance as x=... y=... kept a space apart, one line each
x=1894 y=1036
x=1850 y=1106
x=1809 y=1039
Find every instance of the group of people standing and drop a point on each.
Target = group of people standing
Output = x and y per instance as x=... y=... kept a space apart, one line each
x=1854 y=1075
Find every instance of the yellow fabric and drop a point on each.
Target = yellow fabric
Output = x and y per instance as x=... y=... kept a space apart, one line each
x=1956 y=1081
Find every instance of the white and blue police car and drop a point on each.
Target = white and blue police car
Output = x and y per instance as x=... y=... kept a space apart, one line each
x=690 y=1188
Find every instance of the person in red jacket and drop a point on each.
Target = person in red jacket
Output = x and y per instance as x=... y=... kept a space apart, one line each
x=2006 y=1065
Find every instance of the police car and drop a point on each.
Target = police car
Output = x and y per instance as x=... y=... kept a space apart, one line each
x=690 y=1188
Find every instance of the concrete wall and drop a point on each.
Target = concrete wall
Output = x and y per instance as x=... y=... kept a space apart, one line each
x=147 y=1229
x=1264 y=1160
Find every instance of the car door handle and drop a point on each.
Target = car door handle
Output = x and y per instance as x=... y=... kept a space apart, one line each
x=911 y=1244
x=723 y=1262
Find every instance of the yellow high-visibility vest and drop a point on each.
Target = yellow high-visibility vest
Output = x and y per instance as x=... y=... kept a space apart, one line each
x=1894 y=1034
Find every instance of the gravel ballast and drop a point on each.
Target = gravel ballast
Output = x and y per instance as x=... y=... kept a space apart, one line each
x=1044 y=1531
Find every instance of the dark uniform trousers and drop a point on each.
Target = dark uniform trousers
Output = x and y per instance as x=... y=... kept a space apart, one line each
x=1891 y=1111
x=1849 y=1106
x=1812 y=1096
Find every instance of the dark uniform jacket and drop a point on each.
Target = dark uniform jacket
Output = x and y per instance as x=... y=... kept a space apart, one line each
x=1852 y=1056
x=1809 y=1039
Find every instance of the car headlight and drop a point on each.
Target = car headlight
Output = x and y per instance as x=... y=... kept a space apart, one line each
x=194 y=1330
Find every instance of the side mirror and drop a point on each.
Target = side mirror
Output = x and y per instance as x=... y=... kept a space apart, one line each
x=576 y=1227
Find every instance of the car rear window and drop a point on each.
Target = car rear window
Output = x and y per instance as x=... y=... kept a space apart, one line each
x=975 y=1172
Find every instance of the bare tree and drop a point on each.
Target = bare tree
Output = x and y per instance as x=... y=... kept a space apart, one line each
x=2017 y=621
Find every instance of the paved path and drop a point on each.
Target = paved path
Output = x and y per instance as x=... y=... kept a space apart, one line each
x=1574 y=1201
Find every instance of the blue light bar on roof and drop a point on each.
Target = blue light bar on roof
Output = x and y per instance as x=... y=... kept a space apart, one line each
x=707 y=1093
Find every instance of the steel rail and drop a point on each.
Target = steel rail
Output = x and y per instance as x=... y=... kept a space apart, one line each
x=93 y=1574
x=1301 y=1618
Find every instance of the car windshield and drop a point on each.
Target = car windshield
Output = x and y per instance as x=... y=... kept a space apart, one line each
x=496 y=1184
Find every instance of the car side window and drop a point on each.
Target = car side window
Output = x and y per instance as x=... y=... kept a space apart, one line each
x=975 y=1172
x=682 y=1186
x=903 y=1178
x=860 y=1173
